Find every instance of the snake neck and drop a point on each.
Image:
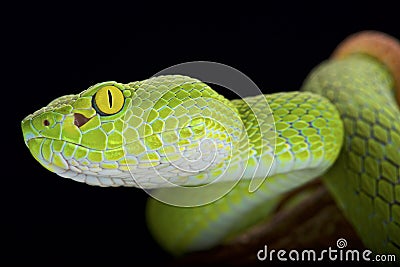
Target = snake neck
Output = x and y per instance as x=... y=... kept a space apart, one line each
x=298 y=131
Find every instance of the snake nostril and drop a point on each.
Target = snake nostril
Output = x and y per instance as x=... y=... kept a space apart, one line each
x=79 y=119
x=46 y=123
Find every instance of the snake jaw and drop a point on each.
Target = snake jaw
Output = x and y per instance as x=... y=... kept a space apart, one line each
x=45 y=138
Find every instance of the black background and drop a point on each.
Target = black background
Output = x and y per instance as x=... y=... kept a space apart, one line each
x=49 y=51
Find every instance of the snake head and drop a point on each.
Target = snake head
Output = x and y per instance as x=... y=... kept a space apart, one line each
x=162 y=131
x=79 y=136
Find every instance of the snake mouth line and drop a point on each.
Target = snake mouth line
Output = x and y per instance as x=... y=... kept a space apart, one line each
x=75 y=173
x=68 y=142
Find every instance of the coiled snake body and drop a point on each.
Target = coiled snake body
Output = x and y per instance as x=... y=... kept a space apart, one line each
x=176 y=130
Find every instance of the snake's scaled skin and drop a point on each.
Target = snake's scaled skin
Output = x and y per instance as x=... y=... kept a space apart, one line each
x=148 y=134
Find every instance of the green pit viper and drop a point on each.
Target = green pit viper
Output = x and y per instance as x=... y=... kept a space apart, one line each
x=343 y=125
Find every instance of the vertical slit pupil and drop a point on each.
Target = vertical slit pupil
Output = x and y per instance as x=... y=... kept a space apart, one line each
x=109 y=98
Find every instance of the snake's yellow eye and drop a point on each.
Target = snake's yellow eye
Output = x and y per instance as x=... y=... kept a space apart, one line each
x=108 y=100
